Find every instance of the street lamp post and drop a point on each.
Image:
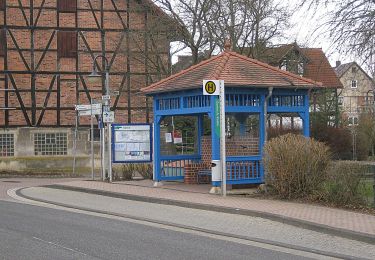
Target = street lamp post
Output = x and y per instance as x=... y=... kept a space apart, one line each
x=106 y=108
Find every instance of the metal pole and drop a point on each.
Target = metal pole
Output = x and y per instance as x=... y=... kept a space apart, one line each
x=75 y=145
x=92 y=143
x=102 y=130
x=222 y=141
x=110 y=152
x=108 y=102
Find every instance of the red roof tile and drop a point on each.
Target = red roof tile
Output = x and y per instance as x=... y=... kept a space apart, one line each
x=236 y=70
x=319 y=69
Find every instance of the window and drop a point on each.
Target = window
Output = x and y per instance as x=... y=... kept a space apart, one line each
x=354 y=69
x=3 y=42
x=2 y=5
x=353 y=120
x=67 y=44
x=96 y=134
x=283 y=64
x=50 y=143
x=300 y=69
x=354 y=84
x=6 y=145
x=66 y=6
x=340 y=101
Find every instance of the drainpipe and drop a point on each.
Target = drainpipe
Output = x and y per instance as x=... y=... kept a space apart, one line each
x=270 y=89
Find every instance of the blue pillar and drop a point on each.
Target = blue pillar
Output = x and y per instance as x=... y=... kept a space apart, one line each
x=157 y=163
x=215 y=131
x=306 y=117
x=262 y=125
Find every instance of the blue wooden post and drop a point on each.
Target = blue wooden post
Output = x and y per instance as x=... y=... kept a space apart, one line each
x=215 y=132
x=306 y=117
x=157 y=163
x=262 y=125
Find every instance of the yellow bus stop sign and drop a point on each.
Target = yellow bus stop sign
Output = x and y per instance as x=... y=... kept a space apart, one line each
x=211 y=87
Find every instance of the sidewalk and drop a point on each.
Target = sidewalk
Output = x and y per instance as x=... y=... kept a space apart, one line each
x=329 y=220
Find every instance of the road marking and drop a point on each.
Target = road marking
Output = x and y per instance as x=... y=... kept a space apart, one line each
x=60 y=246
x=180 y=228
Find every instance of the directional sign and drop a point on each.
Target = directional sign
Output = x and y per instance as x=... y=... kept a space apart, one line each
x=88 y=110
x=211 y=87
x=88 y=107
x=109 y=117
x=83 y=107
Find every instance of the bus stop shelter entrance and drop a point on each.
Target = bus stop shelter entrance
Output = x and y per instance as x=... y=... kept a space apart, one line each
x=252 y=90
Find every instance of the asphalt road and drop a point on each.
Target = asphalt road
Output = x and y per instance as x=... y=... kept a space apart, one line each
x=33 y=232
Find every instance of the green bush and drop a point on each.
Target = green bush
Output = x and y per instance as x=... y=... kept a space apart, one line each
x=295 y=166
x=344 y=184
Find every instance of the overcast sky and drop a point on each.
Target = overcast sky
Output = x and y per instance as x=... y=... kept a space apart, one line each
x=307 y=31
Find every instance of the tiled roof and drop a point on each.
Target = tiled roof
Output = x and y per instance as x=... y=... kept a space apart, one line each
x=235 y=70
x=342 y=68
x=319 y=69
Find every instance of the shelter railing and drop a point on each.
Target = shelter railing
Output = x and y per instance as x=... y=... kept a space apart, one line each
x=244 y=169
x=173 y=166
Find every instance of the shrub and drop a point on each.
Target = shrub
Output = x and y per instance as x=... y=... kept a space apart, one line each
x=338 y=139
x=127 y=171
x=295 y=166
x=344 y=184
x=273 y=132
x=145 y=170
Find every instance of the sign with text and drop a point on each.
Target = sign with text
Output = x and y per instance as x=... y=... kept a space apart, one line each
x=211 y=87
x=132 y=143
x=88 y=110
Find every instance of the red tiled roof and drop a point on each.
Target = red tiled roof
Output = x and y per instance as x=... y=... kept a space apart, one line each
x=236 y=70
x=319 y=69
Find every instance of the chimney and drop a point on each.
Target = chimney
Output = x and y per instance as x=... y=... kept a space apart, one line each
x=338 y=63
x=227 y=45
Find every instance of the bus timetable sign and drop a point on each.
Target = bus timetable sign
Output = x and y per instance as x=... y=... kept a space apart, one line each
x=211 y=87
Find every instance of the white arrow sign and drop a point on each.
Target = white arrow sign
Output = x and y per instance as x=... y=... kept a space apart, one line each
x=109 y=117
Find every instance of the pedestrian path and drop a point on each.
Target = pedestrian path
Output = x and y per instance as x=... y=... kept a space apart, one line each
x=323 y=217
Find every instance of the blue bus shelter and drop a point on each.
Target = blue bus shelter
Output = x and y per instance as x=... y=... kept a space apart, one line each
x=251 y=88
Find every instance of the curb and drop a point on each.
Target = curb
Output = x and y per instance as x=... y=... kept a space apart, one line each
x=353 y=235
x=258 y=240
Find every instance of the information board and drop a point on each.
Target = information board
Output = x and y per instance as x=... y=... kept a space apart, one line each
x=131 y=143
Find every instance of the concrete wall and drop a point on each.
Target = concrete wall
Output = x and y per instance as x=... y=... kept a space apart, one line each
x=25 y=160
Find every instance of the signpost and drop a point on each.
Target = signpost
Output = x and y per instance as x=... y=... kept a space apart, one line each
x=90 y=110
x=216 y=88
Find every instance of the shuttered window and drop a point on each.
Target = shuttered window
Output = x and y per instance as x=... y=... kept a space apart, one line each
x=3 y=42
x=66 y=6
x=2 y=5
x=66 y=44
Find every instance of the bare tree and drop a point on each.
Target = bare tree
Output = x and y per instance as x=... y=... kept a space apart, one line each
x=208 y=23
x=248 y=23
x=351 y=27
x=192 y=15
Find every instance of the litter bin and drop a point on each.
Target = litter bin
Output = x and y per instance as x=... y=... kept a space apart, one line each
x=216 y=170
